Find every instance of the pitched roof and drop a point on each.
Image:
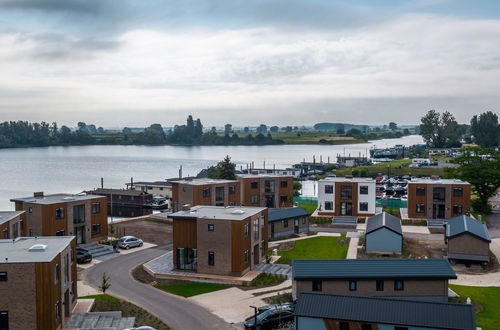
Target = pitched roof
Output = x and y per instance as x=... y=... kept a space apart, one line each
x=286 y=213
x=382 y=220
x=387 y=311
x=372 y=268
x=465 y=224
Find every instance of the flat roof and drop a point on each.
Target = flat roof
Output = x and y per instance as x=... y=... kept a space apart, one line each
x=344 y=179
x=263 y=175
x=438 y=181
x=236 y=213
x=113 y=191
x=18 y=250
x=372 y=268
x=424 y=314
x=150 y=183
x=203 y=181
x=9 y=215
x=55 y=198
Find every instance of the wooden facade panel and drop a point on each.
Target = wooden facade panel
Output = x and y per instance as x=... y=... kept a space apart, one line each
x=239 y=244
x=339 y=200
x=184 y=234
x=100 y=218
x=50 y=225
x=48 y=294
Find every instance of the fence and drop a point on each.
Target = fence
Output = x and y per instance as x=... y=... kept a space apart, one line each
x=391 y=203
x=306 y=200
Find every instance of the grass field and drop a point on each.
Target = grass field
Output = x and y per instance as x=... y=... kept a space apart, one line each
x=487 y=299
x=316 y=248
x=308 y=207
x=107 y=303
x=397 y=167
x=191 y=289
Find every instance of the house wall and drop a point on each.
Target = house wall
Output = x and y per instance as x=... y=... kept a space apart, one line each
x=217 y=241
x=383 y=240
x=412 y=288
x=335 y=197
x=12 y=226
x=185 y=193
x=427 y=200
x=165 y=191
x=184 y=233
x=48 y=293
x=468 y=244
x=247 y=192
x=370 y=198
x=280 y=230
x=311 y=323
x=239 y=244
x=339 y=200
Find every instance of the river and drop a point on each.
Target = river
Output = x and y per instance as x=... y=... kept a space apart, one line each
x=77 y=168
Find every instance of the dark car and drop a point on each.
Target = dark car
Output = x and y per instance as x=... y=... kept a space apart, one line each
x=272 y=318
x=83 y=255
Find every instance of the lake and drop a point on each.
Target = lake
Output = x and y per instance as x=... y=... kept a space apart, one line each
x=77 y=168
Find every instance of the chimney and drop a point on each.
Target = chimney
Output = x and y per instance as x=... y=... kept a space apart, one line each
x=38 y=194
x=132 y=184
x=102 y=183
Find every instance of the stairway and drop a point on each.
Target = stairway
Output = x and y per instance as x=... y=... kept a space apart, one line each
x=102 y=321
x=345 y=221
x=435 y=223
x=98 y=251
x=279 y=269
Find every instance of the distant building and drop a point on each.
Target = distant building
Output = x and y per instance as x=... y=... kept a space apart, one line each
x=323 y=312
x=467 y=239
x=81 y=215
x=445 y=152
x=218 y=240
x=126 y=202
x=12 y=224
x=348 y=161
x=438 y=198
x=384 y=234
x=417 y=279
x=156 y=188
x=37 y=282
x=346 y=197
x=288 y=221
x=272 y=191
x=294 y=172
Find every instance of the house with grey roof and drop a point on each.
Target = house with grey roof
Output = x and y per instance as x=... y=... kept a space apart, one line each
x=288 y=221
x=12 y=224
x=315 y=311
x=384 y=234
x=415 y=279
x=467 y=239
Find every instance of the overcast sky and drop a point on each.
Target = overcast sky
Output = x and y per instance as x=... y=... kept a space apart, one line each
x=247 y=62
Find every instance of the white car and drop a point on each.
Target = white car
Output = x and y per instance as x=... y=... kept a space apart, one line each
x=126 y=242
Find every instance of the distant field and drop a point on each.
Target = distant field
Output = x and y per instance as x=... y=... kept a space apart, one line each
x=309 y=137
x=396 y=167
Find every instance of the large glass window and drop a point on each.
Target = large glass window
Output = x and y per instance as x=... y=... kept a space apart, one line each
x=346 y=192
x=78 y=214
x=269 y=186
x=457 y=209
x=363 y=206
x=206 y=192
x=254 y=199
x=96 y=229
x=232 y=190
x=3 y=276
x=399 y=285
x=439 y=195
x=420 y=191
x=60 y=213
x=380 y=285
x=256 y=229
x=328 y=206
x=186 y=259
x=329 y=189
x=96 y=208
x=219 y=194
x=246 y=229
x=211 y=258
x=458 y=192
x=363 y=190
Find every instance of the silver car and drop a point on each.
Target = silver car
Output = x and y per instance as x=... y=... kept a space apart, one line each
x=126 y=242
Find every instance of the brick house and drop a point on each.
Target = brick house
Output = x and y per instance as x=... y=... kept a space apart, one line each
x=219 y=240
x=37 y=282
x=272 y=191
x=82 y=215
x=126 y=202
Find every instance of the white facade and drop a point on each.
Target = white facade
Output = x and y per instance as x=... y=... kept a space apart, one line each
x=420 y=160
x=364 y=190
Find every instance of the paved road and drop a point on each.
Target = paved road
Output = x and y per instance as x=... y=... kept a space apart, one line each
x=179 y=313
x=493 y=220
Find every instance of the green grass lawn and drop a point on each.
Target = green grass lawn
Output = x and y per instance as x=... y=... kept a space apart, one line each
x=308 y=207
x=488 y=298
x=397 y=167
x=191 y=289
x=316 y=248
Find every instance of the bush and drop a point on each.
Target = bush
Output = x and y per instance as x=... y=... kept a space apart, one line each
x=266 y=279
x=479 y=207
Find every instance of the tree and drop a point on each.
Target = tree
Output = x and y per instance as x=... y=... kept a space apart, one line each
x=440 y=131
x=224 y=169
x=481 y=168
x=100 y=130
x=297 y=186
x=274 y=129
x=228 y=129
x=198 y=128
x=485 y=129
x=393 y=126
x=126 y=131
x=341 y=129
x=262 y=129
x=105 y=285
x=406 y=131
x=246 y=129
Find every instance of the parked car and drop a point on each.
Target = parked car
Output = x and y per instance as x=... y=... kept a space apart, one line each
x=126 y=242
x=271 y=318
x=274 y=306
x=83 y=255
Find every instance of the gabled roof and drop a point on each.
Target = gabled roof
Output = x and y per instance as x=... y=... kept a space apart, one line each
x=466 y=225
x=287 y=213
x=384 y=220
x=387 y=311
x=372 y=268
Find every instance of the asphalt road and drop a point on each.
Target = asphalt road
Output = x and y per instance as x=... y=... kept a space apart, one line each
x=179 y=313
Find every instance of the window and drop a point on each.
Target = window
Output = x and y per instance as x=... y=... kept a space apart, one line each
x=30 y=210
x=232 y=190
x=256 y=229
x=132 y=198
x=346 y=192
x=317 y=286
x=96 y=208
x=420 y=191
x=439 y=194
x=211 y=227
x=457 y=209
x=120 y=197
x=304 y=220
x=246 y=229
x=285 y=223
x=458 y=192
x=328 y=189
x=206 y=192
x=4 y=320
x=399 y=285
x=366 y=327
x=78 y=214
x=269 y=186
x=380 y=285
x=219 y=204
x=420 y=208
x=96 y=229
x=363 y=206
x=283 y=199
x=246 y=257
x=219 y=194
x=343 y=326
x=211 y=258
x=3 y=276
x=254 y=199
x=254 y=185
x=58 y=310
x=328 y=206
x=60 y=233
x=6 y=233
x=363 y=190
x=66 y=269
x=284 y=184
x=59 y=213
x=57 y=273
x=161 y=188
x=353 y=285
x=231 y=203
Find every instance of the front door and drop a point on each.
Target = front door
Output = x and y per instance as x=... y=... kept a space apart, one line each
x=296 y=226
x=346 y=208
x=67 y=304
x=438 y=211
x=256 y=255
x=4 y=320
x=80 y=235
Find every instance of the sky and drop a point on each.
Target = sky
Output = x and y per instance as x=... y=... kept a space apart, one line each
x=246 y=62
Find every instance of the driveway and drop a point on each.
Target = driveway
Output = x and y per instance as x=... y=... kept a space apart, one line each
x=178 y=312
